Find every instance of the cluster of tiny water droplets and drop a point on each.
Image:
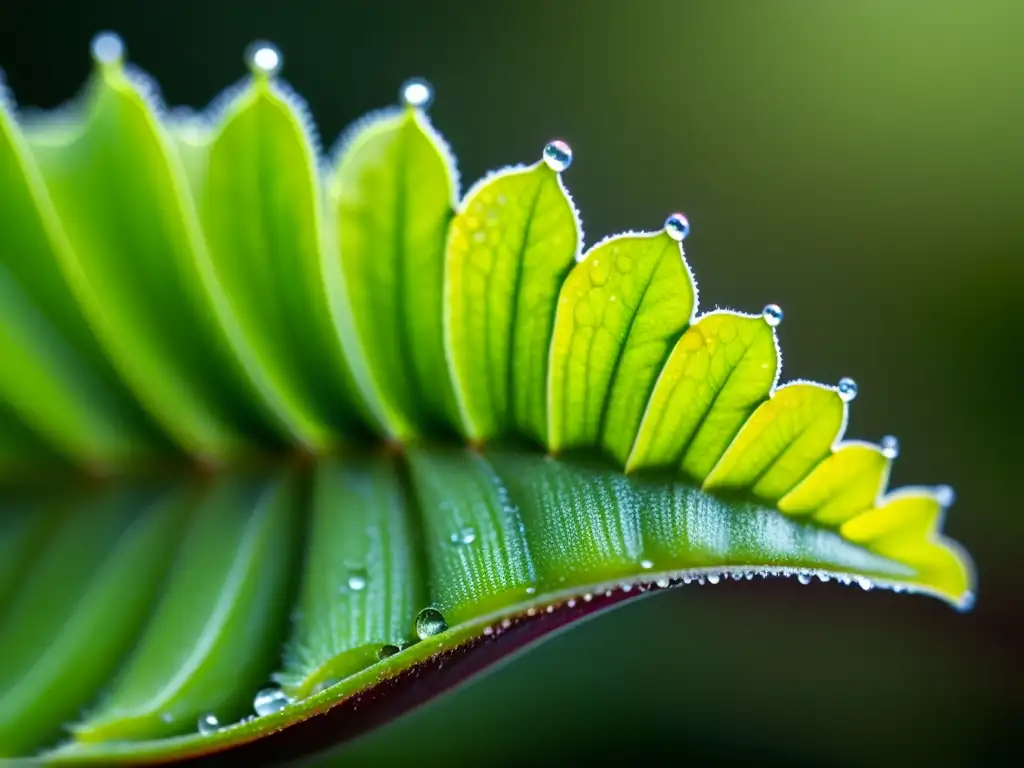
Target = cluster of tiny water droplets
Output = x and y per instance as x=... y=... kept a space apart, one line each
x=417 y=93
x=270 y=700
x=263 y=58
x=557 y=155
x=677 y=226
x=847 y=389
x=772 y=314
x=208 y=723
x=430 y=622
x=890 y=447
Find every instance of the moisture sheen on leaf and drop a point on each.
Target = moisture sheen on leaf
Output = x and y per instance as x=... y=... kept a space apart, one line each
x=260 y=209
x=509 y=249
x=620 y=312
x=186 y=305
x=390 y=199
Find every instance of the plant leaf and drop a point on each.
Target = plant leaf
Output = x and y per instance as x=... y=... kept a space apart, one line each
x=615 y=446
x=719 y=371
x=509 y=250
x=390 y=199
x=54 y=374
x=361 y=587
x=96 y=576
x=260 y=209
x=141 y=273
x=620 y=312
x=211 y=640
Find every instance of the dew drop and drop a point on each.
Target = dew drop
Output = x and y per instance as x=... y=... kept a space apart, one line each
x=663 y=583
x=208 y=723
x=263 y=58
x=463 y=536
x=865 y=584
x=750 y=576
x=557 y=155
x=824 y=577
x=107 y=48
x=531 y=590
x=890 y=447
x=387 y=650
x=430 y=622
x=270 y=700
x=646 y=564
x=677 y=226
x=166 y=717
x=357 y=581
x=847 y=389
x=417 y=92
x=945 y=495
x=772 y=314
x=803 y=578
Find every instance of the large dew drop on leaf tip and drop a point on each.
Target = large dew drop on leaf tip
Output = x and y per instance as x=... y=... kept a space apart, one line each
x=107 y=48
x=263 y=58
x=557 y=155
x=847 y=389
x=417 y=93
x=890 y=447
x=677 y=226
x=772 y=314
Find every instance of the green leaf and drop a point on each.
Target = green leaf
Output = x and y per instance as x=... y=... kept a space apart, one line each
x=362 y=584
x=719 y=371
x=260 y=208
x=620 y=312
x=626 y=449
x=474 y=537
x=54 y=374
x=97 y=577
x=214 y=632
x=784 y=439
x=390 y=199
x=142 y=275
x=509 y=249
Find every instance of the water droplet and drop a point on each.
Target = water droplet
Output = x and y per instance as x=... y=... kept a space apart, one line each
x=945 y=495
x=646 y=564
x=166 y=717
x=208 y=723
x=803 y=578
x=107 y=48
x=663 y=583
x=750 y=576
x=557 y=155
x=677 y=226
x=627 y=587
x=890 y=447
x=430 y=622
x=686 y=579
x=588 y=597
x=463 y=536
x=417 y=92
x=357 y=580
x=772 y=314
x=865 y=584
x=270 y=700
x=531 y=590
x=323 y=685
x=386 y=651
x=847 y=389
x=824 y=577
x=263 y=58
x=714 y=578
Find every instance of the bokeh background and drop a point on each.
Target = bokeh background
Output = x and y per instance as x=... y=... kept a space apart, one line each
x=861 y=164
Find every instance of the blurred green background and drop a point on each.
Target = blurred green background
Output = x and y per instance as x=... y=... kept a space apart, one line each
x=861 y=164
